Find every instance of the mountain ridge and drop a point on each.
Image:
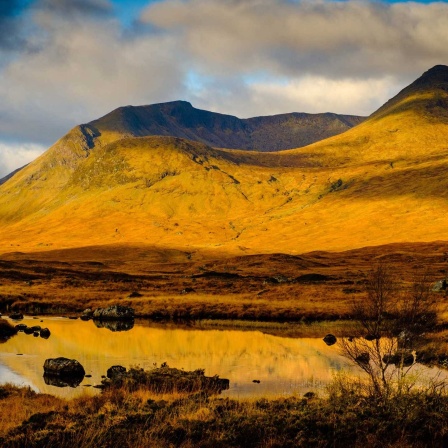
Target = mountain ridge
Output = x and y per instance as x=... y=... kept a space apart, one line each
x=383 y=181
x=263 y=133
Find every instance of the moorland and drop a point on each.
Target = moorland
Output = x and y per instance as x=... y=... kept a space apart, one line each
x=124 y=210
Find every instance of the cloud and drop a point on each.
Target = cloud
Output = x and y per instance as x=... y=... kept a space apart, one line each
x=337 y=39
x=80 y=70
x=71 y=61
x=13 y=156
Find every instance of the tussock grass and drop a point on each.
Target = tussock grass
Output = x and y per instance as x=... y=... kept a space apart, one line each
x=349 y=417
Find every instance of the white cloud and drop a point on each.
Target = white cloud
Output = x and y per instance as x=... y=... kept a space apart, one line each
x=13 y=156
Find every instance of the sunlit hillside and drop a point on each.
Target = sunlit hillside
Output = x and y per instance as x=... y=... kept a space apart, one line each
x=380 y=182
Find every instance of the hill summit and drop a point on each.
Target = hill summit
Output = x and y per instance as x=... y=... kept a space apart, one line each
x=181 y=119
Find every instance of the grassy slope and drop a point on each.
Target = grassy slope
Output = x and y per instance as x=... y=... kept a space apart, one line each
x=173 y=193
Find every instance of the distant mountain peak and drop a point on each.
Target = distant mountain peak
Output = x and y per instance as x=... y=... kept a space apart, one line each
x=180 y=119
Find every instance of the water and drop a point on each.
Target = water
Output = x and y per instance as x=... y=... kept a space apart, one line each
x=284 y=366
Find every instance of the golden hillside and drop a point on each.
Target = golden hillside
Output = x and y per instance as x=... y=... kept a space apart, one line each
x=380 y=182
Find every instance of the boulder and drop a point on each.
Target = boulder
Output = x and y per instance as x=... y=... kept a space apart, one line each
x=114 y=312
x=16 y=316
x=45 y=333
x=330 y=339
x=21 y=327
x=28 y=330
x=36 y=328
x=114 y=371
x=63 y=367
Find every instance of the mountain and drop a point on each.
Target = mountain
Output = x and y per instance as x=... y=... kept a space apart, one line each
x=181 y=119
x=382 y=181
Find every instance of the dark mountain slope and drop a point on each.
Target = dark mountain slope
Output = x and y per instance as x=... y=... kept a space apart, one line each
x=181 y=119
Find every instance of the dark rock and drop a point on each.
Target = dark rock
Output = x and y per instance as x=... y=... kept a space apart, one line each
x=371 y=337
x=45 y=333
x=36 y=334
x=330 y=339
x=73 y=317
x=21 y=327
x=16 y=316
x=114 y=312
x=309 y=395
x=134 y=294
x=363 y=358
x=114 y=371
x=256 y=381
x=115 y=325
x=28 y=330
x=87 y=314
x=36 y=328
x=63 y=367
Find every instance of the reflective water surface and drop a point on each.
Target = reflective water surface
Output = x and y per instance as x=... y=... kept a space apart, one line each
x=283 y=365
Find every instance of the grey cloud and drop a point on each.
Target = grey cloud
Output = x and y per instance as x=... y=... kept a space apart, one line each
x=341 y=39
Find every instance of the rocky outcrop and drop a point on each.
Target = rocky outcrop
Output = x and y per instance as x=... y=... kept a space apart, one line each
x=114 y=312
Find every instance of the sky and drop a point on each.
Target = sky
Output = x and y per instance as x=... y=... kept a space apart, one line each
x=67 y=62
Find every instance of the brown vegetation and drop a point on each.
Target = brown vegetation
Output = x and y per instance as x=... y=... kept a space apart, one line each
x=178 y=285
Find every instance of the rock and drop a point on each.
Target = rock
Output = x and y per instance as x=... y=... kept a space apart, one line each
x=114 y=312
x=371 y=337
x=134 y=294
x=330 y=339
x=36 y=334
x=16 y=316
x=87 y=314
x=45 y=333
x=363 y=358
x=309 y=395
x=36 y=328
x=256 y=381
x=21 y=327
x=114 y=371
x=439 y=286
x=28 y=330
x=63 y=367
